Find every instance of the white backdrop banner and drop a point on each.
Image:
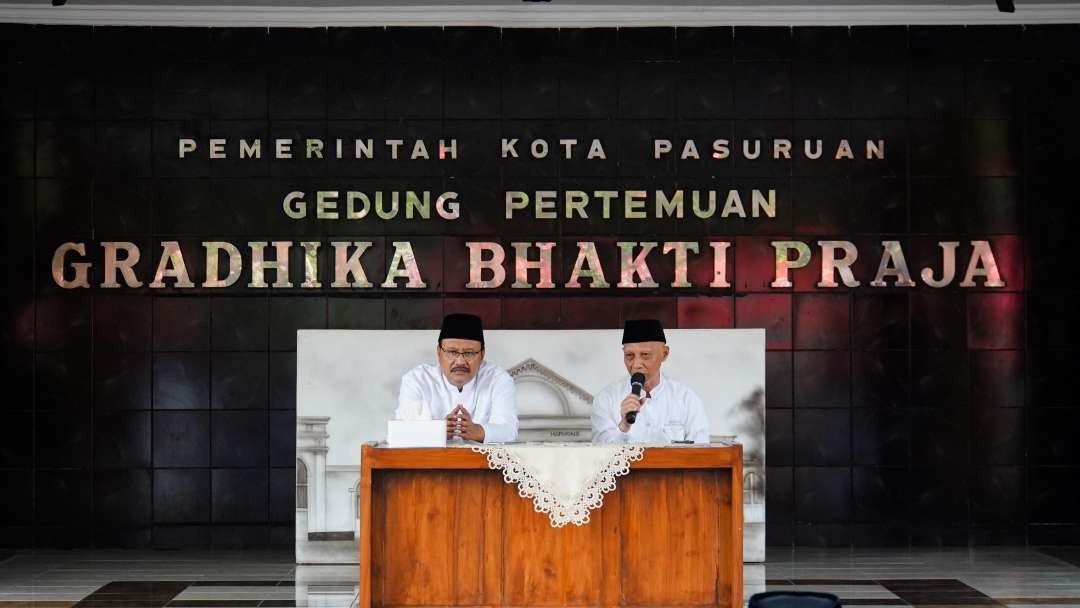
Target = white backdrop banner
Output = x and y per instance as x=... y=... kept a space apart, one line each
x=347 y=384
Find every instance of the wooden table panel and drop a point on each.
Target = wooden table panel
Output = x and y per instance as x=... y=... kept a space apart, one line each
x=547 y=566
x=438 y=528
x=669 y=543
x=729 y=528
x=495 y=497
x=433 y=547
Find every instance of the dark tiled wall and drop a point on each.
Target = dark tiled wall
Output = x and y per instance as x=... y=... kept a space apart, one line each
x=895 y=417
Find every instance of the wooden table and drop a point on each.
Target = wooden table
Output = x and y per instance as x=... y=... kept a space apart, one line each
x=439 y=528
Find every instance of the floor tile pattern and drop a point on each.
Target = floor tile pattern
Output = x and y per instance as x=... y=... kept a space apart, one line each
x=920 y=578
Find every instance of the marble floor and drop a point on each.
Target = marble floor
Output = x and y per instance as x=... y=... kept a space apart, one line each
x=1013 y=577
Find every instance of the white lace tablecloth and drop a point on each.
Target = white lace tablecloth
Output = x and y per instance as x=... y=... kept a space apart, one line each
x=566 y=481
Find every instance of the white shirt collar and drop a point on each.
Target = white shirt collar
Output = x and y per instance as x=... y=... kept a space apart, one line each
x=659 y=388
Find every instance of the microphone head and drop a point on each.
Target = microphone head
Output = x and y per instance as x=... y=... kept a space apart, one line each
x=637 y=382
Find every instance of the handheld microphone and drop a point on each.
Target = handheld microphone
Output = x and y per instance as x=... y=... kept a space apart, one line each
x=637 y=381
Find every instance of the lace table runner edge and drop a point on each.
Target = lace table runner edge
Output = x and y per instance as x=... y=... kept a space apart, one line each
x=591 y=496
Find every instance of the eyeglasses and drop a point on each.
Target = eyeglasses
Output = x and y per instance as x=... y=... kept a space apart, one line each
x=468 y=355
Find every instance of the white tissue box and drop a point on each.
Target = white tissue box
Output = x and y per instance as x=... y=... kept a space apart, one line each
x=416 y=433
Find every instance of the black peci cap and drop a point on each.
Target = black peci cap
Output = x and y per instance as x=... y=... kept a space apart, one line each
x=643 y=330
x=462 y=327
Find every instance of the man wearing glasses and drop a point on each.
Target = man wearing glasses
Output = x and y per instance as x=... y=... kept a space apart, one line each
x=475 y=398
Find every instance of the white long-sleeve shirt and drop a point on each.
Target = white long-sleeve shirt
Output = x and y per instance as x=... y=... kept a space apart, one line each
x=672 y=412
x=426 y=394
